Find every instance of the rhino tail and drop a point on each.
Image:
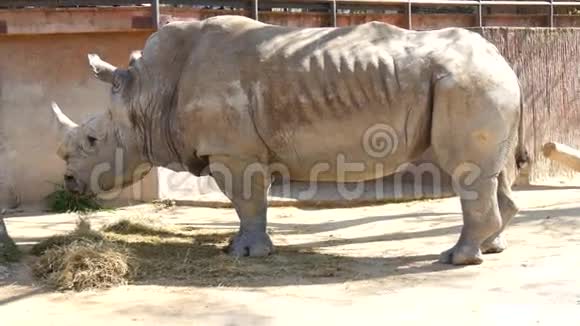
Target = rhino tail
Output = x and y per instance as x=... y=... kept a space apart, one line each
x=522 y=155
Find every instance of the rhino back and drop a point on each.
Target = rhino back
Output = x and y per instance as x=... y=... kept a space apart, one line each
x=310 y=95
x=317 y=93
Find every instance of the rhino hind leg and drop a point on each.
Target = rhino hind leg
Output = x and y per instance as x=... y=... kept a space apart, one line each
x=481 y=219
x=246 y=185
x=508 y=209
x=471 y=134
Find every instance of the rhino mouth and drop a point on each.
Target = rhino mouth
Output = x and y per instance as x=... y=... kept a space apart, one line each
x=73 y=185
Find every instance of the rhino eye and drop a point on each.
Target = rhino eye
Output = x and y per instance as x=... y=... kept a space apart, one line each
x=92 y=140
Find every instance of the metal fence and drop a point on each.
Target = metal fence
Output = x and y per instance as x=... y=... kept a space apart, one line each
x=333 y=7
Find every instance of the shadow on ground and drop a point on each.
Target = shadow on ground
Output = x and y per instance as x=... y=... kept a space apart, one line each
x=186 y=256
x=181 y=257
x=209 y=265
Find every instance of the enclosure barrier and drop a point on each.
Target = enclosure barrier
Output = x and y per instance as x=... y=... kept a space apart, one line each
x=332 y=7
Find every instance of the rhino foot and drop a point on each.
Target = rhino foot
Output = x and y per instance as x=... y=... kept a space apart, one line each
x=494 y=246
x=462 y=255
x=253 y=244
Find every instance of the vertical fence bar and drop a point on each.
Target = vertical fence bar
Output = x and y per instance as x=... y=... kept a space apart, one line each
x=155 y=13
x=409 y=15
x=551 y=13
x=333 y=13
x=255 y=10
x=479 y=14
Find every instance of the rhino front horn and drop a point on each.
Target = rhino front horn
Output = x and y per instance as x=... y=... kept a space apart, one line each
x=62 y=123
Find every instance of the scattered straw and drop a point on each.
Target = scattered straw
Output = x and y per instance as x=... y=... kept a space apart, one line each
x=140 y=226
x=86 y=259
x=82 y=233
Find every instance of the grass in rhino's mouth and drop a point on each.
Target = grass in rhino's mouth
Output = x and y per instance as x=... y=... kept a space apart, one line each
x=63 y=201
x=137 y=251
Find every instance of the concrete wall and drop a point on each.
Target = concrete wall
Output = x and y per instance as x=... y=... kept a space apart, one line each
x=35 y=70
x=43 y=58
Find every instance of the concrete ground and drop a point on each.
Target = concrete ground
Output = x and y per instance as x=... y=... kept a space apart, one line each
x=392 y=274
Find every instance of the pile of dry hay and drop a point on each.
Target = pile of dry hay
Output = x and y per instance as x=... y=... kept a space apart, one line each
x=88 y=259
x=140 y=252
x=82 y=259
x=80 y=266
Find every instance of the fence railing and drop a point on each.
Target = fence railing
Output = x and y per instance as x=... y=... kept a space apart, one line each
x=333 y=7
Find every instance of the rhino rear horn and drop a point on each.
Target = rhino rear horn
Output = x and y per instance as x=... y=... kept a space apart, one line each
x=62 y=123
x=103 y=70
x=135 y=56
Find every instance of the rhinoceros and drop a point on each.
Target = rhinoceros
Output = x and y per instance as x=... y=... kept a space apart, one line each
x=232 y=97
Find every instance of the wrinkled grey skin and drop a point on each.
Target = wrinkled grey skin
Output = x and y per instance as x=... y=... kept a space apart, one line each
x=230 y=93
x=90 y=152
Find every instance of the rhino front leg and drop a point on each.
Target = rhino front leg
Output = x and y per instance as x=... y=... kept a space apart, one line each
x=245 y=182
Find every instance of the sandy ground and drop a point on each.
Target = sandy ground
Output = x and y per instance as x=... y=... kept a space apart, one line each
x=393 y=274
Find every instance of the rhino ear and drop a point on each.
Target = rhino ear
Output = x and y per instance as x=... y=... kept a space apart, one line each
x=62 y=124
x=135 y=56
x=103 y=70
